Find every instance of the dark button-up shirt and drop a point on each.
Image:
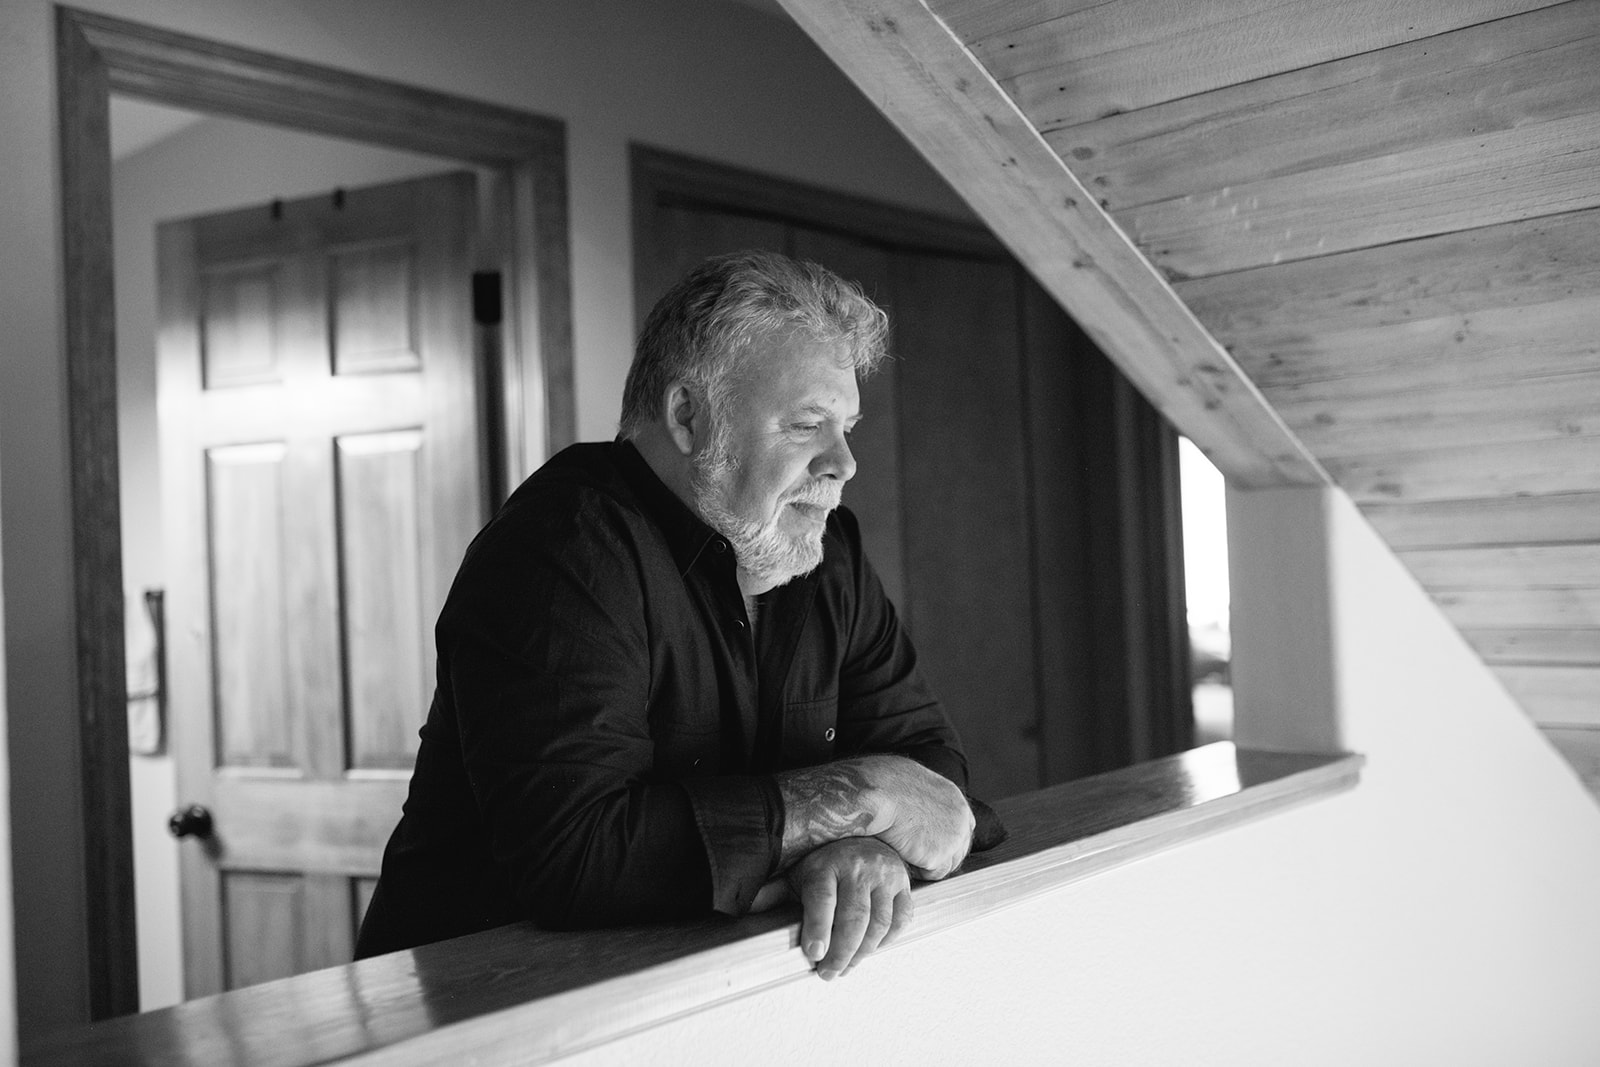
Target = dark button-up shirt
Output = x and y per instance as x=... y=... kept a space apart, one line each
x=606 y=725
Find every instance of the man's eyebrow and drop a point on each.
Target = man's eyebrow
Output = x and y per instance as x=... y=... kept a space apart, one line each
x=822 y=411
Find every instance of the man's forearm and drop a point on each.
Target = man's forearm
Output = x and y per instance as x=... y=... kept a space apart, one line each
x=919 y=813
x=825 y=803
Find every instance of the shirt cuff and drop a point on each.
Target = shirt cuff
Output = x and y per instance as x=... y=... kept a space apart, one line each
x=740 y=819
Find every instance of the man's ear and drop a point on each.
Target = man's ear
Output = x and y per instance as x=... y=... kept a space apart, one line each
x=684 y=414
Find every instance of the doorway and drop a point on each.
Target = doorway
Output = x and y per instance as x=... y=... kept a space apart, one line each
x=322 y=472
x=521 y=160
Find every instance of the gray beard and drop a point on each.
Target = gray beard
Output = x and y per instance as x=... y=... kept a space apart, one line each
x=761 y=549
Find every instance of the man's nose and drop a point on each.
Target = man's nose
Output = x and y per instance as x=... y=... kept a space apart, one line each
x=837 y=462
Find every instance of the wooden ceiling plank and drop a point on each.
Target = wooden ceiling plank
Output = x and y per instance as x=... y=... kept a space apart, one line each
x=1543 y=65
x=1555 y=696
x=1529 y=261
x=1530 y=645
x=1506 y=567
x=1541 y=169
x=1500 y=345
x=906 y=61
x=1360 y=416
x=1564 y=465
x=1131 y=54
x=1526 y=520
x=973 y=20
x=1579 y=746
x=1576 y=609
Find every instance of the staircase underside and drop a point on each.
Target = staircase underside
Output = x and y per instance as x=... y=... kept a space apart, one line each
x=1355 y=243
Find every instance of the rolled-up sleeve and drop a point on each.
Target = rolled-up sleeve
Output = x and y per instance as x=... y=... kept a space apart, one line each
x=740 y=819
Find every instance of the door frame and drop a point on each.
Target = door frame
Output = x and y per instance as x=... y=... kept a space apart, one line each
x=525 y=156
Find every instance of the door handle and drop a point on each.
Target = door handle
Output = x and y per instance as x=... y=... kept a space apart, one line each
x=194 y=820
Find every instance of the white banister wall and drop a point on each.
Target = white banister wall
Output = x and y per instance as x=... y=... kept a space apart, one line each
x=1442 y=912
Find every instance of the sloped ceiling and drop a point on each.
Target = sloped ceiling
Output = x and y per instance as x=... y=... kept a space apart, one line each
x=1352 y=242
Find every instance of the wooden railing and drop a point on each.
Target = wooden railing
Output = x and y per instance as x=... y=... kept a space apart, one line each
x=523 y=995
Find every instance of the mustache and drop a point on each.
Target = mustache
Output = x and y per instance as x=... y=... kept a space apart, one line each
x=818 y=495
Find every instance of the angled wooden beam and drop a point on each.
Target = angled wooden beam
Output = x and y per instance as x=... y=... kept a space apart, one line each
x=928 y=84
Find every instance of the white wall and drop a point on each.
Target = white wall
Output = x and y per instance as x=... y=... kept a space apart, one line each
x=697 y=76
x=1444 y=912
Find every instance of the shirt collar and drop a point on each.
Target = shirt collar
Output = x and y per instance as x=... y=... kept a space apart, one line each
x=686 y=533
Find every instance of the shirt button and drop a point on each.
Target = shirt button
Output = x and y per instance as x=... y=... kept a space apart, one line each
x=719 y=546
x=739 y=623
x=827 y=735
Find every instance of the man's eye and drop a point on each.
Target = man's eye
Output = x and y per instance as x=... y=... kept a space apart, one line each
x=805 y=427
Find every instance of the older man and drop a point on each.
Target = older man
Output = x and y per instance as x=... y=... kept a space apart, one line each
x=669 y=681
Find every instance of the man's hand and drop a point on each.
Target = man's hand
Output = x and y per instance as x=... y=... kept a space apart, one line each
x=919 y=813
x=857 y=898
x=922 y=815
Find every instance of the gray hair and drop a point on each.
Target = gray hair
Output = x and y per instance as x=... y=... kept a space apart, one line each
x=701 y=330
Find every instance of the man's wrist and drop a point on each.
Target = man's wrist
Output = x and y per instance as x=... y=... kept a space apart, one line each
x=829 y=802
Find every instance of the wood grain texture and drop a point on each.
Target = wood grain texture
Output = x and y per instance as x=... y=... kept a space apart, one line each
x=1502 y=645
x=1561 y=465
x=540 y=272
x=1532 y=262
x=1510 y=520
x=1494 y=304
x=1355 y=416
x=925 y=81
x=252 y=713
x=1485 y=346
x=1542 y=65
x=520 y=995
x=1555 y=696
x=238 y=310
x=386 y=635
x=372 y=291
x=284 y=823
x=217 y=78
x=1541 y=169
x=1581 y=748
x=109 y=943
x=1574 y=609
x=264 y=928
x=1129 y=54
x=1508 y=567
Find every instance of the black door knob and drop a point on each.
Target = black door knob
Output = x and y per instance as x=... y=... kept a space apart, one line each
x=194 y=820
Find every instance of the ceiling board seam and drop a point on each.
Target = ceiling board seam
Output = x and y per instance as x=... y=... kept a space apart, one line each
x=1028 y=191
x=1062 y=128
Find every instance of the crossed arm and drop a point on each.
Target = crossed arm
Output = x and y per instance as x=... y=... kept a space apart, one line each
x=547 y=681
x=854 y=833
